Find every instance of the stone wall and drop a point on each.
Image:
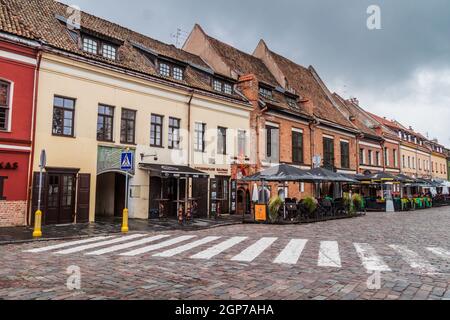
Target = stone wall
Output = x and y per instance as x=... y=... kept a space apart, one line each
x=13 y=213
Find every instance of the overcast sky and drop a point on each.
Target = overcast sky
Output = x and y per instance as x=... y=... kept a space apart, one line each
x=401 y=72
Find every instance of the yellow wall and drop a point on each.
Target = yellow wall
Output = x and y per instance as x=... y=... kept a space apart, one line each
x=440 y=166
x=90 y=86
x=414 y=168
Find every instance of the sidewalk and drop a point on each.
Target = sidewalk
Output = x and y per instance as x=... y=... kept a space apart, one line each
x=109 y=226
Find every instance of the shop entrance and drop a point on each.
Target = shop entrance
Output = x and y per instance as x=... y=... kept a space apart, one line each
x=110 y=195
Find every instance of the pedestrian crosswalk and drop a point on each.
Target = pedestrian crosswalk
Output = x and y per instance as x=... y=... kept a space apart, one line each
x=243 y=249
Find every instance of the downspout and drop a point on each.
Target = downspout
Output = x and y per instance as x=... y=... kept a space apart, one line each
x=191 y=96
x=33 y=134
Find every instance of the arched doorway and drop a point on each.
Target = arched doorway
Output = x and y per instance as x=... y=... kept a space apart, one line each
x=241 y=203
x=110 y=195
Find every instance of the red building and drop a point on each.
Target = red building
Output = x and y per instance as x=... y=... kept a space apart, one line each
x=18 y=74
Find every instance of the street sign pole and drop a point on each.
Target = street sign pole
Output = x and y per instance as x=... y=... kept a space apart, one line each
x=37 y=232
x=126 y=164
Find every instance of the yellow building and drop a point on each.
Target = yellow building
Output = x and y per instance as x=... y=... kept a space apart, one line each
x=438 y=161
x=104 y=89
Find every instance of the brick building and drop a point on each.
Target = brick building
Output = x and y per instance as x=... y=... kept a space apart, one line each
x=18 y=69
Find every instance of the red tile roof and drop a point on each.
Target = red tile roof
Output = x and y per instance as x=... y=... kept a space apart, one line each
x=36 y=20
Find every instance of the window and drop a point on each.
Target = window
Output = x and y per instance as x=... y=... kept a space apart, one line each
x=217 y=85
x=128 y=126
x=177 y=73
x=199 y=143
x=404 y=162
x=221 y=140
x=378 y=159
x=419 y=164
x=227 y=88
x=109 y=51
x=328 y=152
x=345 y=155
x=409 y=162
x=164 y=70
x=63 y=116
x=386 y=157
x=105 y=122
x=267 y=93
x=297 y=147
x=174 y=133
x=369 y=158
x=2 y=188
x=292 y=102
x=90 y=45
x=413 y=162
x=167 y=70
x=156 y=130
x=362 y=160
x=4 y=105
x=242 y=143
x=222 y=86
x=395 y=157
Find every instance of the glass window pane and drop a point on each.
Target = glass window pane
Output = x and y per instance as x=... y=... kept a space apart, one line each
x=58 y=102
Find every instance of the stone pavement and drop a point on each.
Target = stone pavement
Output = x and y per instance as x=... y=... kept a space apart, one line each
x=108 y=226
x=329 y=260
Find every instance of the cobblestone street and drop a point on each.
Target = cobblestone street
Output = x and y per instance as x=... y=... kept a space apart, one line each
x=329 y=260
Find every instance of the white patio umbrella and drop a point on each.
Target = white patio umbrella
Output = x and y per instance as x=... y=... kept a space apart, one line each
x=255 y=196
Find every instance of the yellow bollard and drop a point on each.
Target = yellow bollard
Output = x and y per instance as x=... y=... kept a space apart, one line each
x=125 y=221
x=37 y=233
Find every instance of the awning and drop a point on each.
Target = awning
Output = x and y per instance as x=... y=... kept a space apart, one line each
x=171 y=171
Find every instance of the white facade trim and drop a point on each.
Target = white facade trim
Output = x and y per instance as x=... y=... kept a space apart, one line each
x=392 y=141
x=327 y=136
x=13 y=147
x=414 y=150
x=17 y=57
x=272 y=124
x=297 y=130
x=336 y=131
x=370 y=167
x=367 y=144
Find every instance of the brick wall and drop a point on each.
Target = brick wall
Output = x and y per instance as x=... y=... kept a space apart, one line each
x=12 y=213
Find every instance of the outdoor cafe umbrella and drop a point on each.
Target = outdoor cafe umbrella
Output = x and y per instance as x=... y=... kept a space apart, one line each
x=325 y=175
x=282 y=172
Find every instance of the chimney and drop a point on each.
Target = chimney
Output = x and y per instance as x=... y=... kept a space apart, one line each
x=308 y=106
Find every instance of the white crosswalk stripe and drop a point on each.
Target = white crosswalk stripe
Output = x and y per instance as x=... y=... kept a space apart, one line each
x=369 y=258
x=100 y=244
x=292 y=252
x=329 y=254
x=413 y=259
x=157 y=246
x=126 y=245
x=252 y=252
x=440 y=252
x=219 y=248
x=66 y=244
x=186 y=247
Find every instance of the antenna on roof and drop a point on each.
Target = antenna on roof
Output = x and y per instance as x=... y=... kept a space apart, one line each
x=179 y=36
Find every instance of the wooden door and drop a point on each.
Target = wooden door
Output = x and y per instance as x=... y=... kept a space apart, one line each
x=83 y=197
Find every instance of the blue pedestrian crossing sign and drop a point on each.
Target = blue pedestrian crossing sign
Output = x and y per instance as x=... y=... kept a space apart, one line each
x=126 y=161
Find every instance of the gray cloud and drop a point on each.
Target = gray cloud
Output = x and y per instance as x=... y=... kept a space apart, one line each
x=380 y=67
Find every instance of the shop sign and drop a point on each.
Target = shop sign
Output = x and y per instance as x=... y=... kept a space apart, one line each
x=260 y=212
x=110 y=159
x=9 y=165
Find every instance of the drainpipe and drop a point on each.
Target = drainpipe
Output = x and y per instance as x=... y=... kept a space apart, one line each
x=191 y=96
x=33 y=134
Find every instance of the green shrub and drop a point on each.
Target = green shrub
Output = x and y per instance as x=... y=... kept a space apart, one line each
x=358 y=201
x=310 y=204
x=274 y=207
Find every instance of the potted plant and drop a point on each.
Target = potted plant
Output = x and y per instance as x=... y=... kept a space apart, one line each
x=274 y=206
x=358 y=202
x=310 y=204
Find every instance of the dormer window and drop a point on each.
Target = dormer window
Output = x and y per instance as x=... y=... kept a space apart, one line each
x=168 y=70
x=292 y=102
x=109 y=51
x=164 y=70
x=90 y=45
x=267 y=93
x=99 y=47
x=222 y=86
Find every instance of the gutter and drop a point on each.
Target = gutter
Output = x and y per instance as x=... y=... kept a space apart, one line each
x=189 y=127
